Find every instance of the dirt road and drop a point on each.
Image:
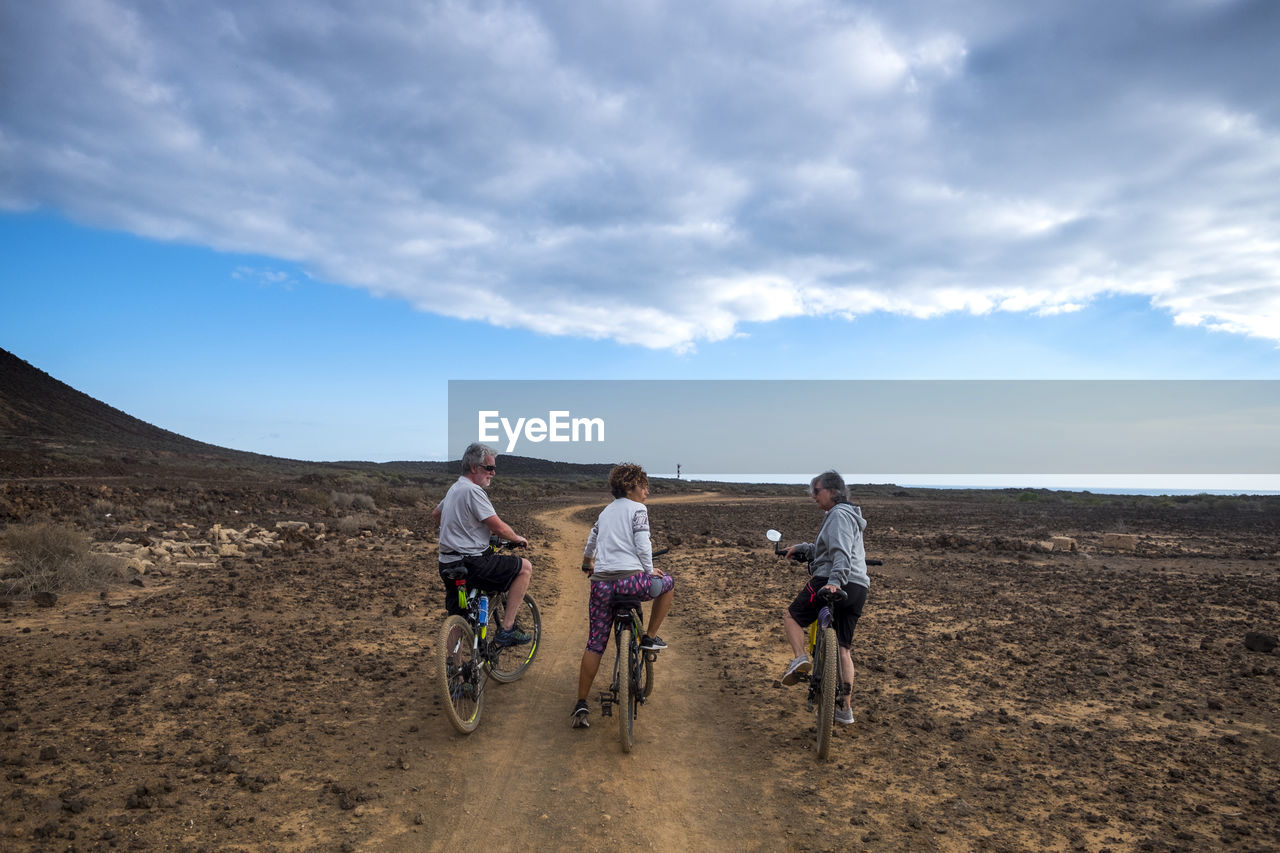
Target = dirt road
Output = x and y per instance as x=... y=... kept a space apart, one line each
x=529 y=780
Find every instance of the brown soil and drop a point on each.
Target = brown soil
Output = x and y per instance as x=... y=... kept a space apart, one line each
x=1008 y=697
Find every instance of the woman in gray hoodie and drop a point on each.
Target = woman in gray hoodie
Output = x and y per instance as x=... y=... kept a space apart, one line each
x=837 y=560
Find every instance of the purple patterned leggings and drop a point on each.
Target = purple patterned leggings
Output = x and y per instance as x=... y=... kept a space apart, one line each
x=600 y=607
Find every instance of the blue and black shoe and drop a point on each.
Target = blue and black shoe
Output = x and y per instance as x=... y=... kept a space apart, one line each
x=511 y=637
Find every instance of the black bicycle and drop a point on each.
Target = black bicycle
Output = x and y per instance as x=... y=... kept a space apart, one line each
x=632 y=667
x=468 y=653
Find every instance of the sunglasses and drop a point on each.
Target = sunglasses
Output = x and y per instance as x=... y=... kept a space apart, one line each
x=492 y=469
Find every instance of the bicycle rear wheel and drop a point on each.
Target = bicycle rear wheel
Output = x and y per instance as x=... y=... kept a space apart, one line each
x=461 y=674
x=626 y=688
x=509 y=663
x=644 y=677
x=828 y=666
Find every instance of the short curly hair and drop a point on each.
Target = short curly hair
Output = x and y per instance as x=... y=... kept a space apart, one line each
x=625 y=477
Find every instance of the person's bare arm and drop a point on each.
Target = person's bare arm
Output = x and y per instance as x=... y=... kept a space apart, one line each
x=500 y=528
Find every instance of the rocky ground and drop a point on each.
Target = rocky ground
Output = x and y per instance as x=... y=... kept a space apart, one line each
x=259 y=675
x=1012 y=697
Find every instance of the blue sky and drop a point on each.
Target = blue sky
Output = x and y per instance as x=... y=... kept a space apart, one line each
x=284 y=227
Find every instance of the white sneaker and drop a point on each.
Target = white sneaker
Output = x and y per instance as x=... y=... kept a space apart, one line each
x=797 y=670
x=844 y=716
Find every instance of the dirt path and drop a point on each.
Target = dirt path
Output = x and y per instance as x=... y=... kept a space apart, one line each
x=532 y=781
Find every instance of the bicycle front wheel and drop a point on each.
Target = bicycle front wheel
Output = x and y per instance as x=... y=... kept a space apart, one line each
x=461 y=674
x=509 y=663
x=830 y=681
x=627 y=698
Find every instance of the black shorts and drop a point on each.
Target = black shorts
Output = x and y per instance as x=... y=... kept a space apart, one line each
x=489 y=572
x=845 y=614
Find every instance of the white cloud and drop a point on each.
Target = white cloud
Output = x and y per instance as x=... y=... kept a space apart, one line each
x=662 y=173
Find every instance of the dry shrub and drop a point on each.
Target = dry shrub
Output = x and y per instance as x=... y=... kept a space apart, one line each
x=353 y=525
x=51 y=558
x=312 y=497
x=346 y=500
x=158 y=508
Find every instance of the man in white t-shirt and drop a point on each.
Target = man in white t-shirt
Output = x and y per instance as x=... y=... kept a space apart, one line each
x=467 y=519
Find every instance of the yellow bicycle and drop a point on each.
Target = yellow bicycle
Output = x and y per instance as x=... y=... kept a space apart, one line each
x=825 y=684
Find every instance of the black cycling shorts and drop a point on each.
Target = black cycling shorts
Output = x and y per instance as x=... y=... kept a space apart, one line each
x=845 y=615
x=490 y=572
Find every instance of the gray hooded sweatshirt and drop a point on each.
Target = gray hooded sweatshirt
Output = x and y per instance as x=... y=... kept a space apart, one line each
x=838 y=554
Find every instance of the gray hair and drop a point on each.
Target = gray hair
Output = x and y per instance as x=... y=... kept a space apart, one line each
x=834 y=482
x=475 y=454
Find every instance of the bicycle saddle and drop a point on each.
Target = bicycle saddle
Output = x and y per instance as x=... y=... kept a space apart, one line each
x=455 y=572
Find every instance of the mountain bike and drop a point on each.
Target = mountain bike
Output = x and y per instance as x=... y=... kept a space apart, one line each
x=468 y=653
x=826 y=687
x=632 y=668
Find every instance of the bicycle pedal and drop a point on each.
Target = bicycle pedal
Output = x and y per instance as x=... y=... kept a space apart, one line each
x=650 y=655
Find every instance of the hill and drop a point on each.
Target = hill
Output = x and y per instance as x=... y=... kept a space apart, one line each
x=49 y=429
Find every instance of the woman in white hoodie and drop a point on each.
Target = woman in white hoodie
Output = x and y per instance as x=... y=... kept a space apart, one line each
x=619 y=559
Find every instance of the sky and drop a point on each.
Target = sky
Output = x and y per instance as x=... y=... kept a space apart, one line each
x=285 y=227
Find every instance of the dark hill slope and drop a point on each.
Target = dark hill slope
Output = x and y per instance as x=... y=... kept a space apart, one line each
x=49 y=428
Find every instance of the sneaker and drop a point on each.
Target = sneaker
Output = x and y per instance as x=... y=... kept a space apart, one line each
x=579 y=715
x=653 y=644
x=511 y=637
x=797 y=670
x=844 y=716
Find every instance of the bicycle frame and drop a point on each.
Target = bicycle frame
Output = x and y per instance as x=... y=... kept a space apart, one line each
x=632 y=671
x=476 y=607
x=632 y=676
x=469 y=654
x=843 y=688
x=827 y=687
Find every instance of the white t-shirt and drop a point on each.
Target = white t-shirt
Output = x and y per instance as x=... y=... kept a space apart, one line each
x=619 y=541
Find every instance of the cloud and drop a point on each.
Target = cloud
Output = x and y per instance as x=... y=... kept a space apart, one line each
x=265 y=277
x=661 y=173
